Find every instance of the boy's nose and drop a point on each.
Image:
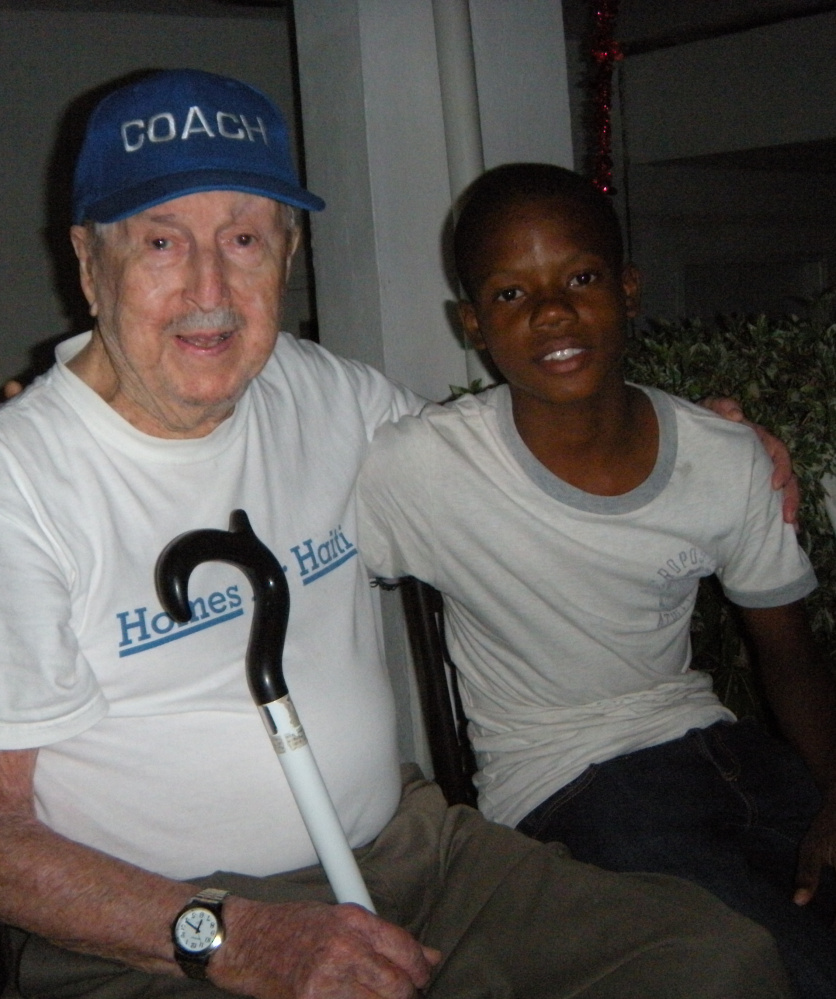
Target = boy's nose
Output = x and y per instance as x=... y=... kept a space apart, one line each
x=553 y=306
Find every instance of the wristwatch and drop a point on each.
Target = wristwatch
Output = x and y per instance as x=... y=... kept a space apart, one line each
x=198 y=931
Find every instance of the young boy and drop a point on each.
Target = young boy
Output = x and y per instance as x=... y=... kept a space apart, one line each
x=567 y=517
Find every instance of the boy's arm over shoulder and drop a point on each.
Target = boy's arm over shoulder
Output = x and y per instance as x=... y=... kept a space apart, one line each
x=802 y=694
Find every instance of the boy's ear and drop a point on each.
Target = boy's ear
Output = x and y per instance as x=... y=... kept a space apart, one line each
x=470 y=324
x=631 y=285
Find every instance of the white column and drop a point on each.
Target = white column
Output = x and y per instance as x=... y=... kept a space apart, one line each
x=459 y=96
x=462 y=125
x=375 y=150
x=520 y=54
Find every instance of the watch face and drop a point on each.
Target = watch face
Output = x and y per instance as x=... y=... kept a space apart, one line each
x=196 y=929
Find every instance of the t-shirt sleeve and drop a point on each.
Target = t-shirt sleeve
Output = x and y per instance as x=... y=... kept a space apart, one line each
x=381 y=400
x=47 y=690
x=395 y=510
x=351 y=386
x=766 y=567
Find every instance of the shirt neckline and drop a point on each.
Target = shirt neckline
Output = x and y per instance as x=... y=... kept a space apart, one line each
x=112 y=427
x=578 y=499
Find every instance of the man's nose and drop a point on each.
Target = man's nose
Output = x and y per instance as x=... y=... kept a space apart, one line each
x=207 y=283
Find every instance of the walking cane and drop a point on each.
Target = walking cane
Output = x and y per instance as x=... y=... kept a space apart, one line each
x=265 y=676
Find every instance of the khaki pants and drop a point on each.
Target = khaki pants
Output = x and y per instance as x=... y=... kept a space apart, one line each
x=512 y=917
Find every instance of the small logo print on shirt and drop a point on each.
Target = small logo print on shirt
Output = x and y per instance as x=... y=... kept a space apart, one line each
x=678 y=579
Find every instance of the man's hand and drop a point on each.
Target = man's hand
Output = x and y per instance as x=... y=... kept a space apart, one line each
x=11 y=389
x=307 y=950
x=818 y=850
x=783 y=476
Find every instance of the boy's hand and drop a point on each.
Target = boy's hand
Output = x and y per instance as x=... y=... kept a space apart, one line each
x=11 y=389
x=783 y=476
x=818 y=850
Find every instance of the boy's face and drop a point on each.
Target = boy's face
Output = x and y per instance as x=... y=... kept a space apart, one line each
x=550 y=305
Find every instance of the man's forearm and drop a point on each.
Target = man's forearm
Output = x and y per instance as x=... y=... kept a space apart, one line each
x=85 y=900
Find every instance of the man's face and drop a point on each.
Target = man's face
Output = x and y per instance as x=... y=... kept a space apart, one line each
x=187 y=298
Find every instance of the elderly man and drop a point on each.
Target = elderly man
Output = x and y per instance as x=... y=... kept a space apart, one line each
x=134 y=763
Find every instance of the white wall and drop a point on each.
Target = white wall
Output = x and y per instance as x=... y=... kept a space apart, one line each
x=711 y=239
x=713 y=226
x=48 y=58
x=768 y=86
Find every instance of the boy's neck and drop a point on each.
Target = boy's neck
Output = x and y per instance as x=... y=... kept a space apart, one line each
x=605 y=446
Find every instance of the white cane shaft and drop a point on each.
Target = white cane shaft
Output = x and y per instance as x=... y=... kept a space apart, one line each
x=324 y=827
x=314 y=803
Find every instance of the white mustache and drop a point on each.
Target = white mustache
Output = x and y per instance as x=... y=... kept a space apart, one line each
x=222 y=320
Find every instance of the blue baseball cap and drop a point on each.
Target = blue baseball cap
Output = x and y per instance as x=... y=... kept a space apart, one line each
x=177 y=132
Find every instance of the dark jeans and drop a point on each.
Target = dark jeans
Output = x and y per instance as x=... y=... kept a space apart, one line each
x=725 y=807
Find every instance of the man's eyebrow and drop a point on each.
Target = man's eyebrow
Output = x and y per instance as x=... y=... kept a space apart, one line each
x=162 y=217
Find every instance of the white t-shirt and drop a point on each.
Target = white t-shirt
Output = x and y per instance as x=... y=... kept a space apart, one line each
x=568 y=614
x=152 y=749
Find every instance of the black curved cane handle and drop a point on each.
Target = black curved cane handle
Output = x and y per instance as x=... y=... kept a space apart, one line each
x=238 y=546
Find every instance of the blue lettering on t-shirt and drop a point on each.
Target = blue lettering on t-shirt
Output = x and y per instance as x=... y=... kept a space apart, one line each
x=141 y=631
x=314 y=559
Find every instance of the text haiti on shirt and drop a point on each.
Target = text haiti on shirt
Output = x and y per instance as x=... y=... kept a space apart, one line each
x=140 y=632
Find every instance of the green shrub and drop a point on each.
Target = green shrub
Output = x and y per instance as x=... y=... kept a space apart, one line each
x=783 y=371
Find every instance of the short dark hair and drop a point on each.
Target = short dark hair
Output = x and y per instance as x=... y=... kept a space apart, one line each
x=490 y=196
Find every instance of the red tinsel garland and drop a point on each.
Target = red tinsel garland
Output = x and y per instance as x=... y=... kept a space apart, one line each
x=605 y=52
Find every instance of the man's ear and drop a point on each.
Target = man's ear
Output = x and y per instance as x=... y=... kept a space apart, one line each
x=470 y=324
x=295 y=238
x=81 y=238
x=631 y=286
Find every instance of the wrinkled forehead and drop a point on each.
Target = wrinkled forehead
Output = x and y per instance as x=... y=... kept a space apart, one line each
x=219 y=206
x=206 y=210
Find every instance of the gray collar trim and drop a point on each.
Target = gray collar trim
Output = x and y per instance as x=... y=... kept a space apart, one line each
x=563 y=492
